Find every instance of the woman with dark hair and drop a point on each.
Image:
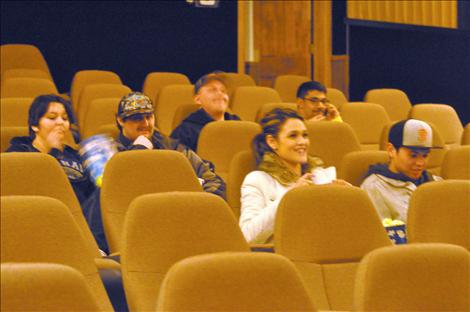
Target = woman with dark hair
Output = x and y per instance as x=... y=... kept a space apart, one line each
x=282 y=164
x=49 y=121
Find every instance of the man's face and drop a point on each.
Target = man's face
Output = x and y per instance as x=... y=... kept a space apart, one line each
x=408 y=161
x=213 y=98
x=313 y=104
x=137 y=125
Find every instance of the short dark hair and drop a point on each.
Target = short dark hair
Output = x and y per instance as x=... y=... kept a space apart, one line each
x=40 y=106
x=305 y=87
x=271 y=124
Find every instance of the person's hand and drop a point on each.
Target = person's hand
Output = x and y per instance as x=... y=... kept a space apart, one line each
x=143 y=140
x=318 y=117
x=306 y=179
x=341 y=182
x=332 y=112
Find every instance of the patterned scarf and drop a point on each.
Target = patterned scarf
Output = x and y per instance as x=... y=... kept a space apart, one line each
x=275 y=167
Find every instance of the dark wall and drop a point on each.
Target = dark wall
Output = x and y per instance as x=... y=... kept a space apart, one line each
x=129 y=38
x=431 y=65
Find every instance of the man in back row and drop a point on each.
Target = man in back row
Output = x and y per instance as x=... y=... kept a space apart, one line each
x=390 y=186
x=312 y=103
x=211 y=94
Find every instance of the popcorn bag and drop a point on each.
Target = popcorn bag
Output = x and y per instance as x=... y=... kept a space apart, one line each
x=95 y=153
x=396 y=230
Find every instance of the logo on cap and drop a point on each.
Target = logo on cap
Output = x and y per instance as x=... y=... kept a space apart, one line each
x=422 y=135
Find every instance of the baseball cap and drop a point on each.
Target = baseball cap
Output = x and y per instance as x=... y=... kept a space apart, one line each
x=411 y=133
x=216 y=75
x=134 y=103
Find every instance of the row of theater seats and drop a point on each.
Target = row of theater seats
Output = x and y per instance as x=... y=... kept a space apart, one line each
x=324 y=232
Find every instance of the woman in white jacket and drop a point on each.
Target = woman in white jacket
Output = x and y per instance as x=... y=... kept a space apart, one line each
x=283 y=164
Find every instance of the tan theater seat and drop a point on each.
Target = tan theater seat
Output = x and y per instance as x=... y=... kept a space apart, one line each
x=22 y=56
x=266 y=108
x=161 y=229
x=287 y=85
x=170 y=98
x=182 y=112
x=416 y=277
x=336 y=97
x=234 y=282
x=456 y=163
x=326 y=230
x=26 y=87
x=394 y=101
x=100 y=112
x=354 y=165
x=247 y=101
x=45 y=287
x=42 y=229
x=155 y=81
x=14 y=112
x=8 y=133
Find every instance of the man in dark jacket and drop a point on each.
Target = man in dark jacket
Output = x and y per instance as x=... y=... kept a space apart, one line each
x=211 y=94
x=136 y=122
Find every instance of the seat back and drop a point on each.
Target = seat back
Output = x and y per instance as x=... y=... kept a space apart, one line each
x=100 y=112
x=161 y=229
x=238 y=281
x=155 y=81
x=152 y=171
x=456 y=163
x=415 y=277
x=287 y=85
x=436 y=156
x=367 y=120
x=26 y=87
x=445 y=119
x=98 y=91
x=42 y=229
x=40 y=287
x=354 y=165
x=219 y=141
x=336 y=97
x=266 y=108
x=24 y=56
x=169 y=99
x=439 y=212
x=248 y=100
x=242 y=163
x=83 y=78
x=313 y=228
x=182 y=112
x=25 y=73
x=8 y=133
x=331 y=141
x=14 y=112
x=466 y=135
x=41 y=174
x=395 y=102
x=235 y=80
x=109 y=129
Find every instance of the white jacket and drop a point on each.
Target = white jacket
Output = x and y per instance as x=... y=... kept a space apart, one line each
x=260 y=196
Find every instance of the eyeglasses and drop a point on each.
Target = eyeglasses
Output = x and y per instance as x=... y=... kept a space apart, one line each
x=316 y=100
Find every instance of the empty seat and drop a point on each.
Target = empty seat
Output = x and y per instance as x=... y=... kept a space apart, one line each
x=266 y=108
x=108 y=129
x=212 y=143
x=41 y=174
x=22 y=56
x=98 y=91
x=436 y=155
x=42 y=229
x=395 y=101
x=8 y=133
x=25 y=73
x=236 y=80
x=415 y=277
x=182 y=112
x=83 y=78
x=331 y=141
x=45 y=287
x=326 y=230
x=336 y=97
x=161 y=229
x=439 y=212
x=466 y=135
x=100 y=112
x=155 y=81
x=234 y=282
x=14 y=112
x=169 y=99
x=444 y=118
x=456 y=163
x=367 y=120
x=241 y=164
x=27 y=87
x=354 y=165
x=248 y=100
x=287 y=85
x=153 y=171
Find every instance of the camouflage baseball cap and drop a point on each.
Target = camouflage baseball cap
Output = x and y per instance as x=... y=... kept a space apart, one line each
x=134 y=103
